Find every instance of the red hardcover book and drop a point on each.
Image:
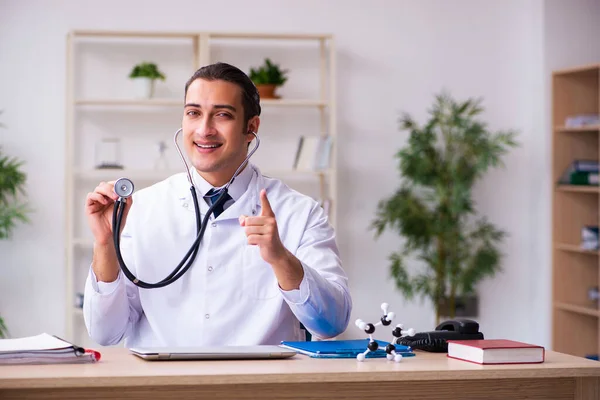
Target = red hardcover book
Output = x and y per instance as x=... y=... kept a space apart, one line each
x=495 y=351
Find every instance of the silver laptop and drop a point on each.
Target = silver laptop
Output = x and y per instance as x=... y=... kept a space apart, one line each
x=212 y=352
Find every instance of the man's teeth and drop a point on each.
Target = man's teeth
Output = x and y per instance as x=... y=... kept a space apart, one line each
x=208 y=146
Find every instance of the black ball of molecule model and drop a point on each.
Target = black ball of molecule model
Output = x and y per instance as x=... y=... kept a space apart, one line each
x=370 y=328
x=385 y=321
x=390 y=349
x=373 y=345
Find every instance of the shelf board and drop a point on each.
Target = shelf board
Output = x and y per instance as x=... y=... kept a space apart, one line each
x=293 y=103
x=276 y=36
x=152 y=175
x=589 y=128
x=190 y=34
x=179 y=103
x=575 y=249
x=593 y=312
x=576 y=188
x=139 y=34
x=590 y=68
x=131 y=102
x=113 y=174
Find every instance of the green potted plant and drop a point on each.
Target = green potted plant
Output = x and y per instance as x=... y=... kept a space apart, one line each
x=267 y=78
x=143 y=75
x=12 y=208
x=433 y=210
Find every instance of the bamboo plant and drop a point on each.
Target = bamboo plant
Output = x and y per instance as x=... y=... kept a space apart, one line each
x=12 y=208
x=433 y=209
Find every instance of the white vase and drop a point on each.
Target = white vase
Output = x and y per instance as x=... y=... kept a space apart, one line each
x=144 y=88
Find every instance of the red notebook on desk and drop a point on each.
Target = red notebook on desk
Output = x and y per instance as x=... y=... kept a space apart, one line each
x=495 y=351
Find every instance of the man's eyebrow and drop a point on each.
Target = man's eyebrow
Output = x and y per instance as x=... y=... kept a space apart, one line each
x=226 y=106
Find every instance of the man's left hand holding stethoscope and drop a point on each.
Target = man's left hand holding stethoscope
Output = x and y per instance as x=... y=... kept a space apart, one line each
x=107 y=208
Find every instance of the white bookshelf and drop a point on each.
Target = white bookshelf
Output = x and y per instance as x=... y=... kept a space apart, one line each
x=81 y=177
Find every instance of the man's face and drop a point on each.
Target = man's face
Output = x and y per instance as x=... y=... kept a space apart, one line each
x=214 y=133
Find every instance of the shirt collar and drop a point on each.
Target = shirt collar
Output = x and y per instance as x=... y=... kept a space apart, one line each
x=237 y=188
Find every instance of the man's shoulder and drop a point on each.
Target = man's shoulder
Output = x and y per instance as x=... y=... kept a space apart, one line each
x=174 y=184
x=286 y=195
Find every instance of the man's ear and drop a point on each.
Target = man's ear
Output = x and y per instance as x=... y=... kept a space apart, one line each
x=253 y=125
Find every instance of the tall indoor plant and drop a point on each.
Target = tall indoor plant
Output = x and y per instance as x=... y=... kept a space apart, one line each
x=433 y=209
x=12 y=208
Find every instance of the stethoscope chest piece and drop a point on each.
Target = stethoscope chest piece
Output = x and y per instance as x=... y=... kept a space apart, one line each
x=124 y=187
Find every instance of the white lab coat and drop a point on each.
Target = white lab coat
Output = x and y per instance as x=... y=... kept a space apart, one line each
x=230 y=295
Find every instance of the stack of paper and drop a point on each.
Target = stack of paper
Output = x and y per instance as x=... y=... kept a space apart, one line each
x=43 y=349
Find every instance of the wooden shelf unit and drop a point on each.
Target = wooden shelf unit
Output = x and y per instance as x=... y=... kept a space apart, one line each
x=575 y=318
x=319 y=102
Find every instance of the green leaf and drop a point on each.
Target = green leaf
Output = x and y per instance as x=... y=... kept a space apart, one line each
x=268 y=74
x=400 y=275
x=12 y=187
x=3 y=329
x=146 y=70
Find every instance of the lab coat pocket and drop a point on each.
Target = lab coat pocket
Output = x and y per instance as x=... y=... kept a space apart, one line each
x=258 y=279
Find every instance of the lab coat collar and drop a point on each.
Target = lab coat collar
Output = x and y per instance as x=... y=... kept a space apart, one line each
x=245 y=190
x=236 y=190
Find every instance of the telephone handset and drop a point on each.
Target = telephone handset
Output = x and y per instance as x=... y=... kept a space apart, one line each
x=435 y=341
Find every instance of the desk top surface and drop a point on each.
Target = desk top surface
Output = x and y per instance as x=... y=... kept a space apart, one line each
x=120 y=368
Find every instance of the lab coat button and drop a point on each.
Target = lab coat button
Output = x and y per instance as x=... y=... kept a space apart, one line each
x=185 y=205
x=214 y=224
x=210 y=269
x=207 y=316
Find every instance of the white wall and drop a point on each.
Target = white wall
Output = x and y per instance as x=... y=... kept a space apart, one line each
x=392 y=56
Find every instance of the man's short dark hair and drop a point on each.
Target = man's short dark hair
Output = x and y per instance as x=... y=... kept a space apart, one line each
x=229 y=73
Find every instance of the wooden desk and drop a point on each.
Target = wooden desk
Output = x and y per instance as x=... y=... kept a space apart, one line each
x=425 y=376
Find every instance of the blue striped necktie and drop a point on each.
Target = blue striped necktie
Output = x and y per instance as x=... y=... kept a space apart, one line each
x=213 y=196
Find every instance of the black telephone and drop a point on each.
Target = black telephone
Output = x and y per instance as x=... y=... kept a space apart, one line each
x=435 y=341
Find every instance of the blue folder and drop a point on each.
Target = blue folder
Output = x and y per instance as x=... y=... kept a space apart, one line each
x=344 y=348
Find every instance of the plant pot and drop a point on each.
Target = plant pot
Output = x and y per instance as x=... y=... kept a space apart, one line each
x=143 y=88
x=267 y=91
x=464 y=307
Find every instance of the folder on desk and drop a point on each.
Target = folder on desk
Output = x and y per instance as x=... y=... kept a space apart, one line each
x=344 y=348
x=44 y=349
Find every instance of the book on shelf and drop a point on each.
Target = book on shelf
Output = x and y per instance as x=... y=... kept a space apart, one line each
x=44 y=349
x=313 y=153
x=590 y=237
x=495 y=351
x=581 y=172
x=582 y=120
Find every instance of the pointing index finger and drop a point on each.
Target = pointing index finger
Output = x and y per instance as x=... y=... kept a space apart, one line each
x=266 y=211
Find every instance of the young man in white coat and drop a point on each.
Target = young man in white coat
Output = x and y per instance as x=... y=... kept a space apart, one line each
x=267 y=262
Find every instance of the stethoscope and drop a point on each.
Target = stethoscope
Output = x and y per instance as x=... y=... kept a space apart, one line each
x=124 y=189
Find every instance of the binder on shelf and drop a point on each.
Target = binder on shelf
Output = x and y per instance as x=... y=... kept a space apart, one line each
x=313 y=153
x=590 y=237
x=581 y=120
x=582 y=172
x=44 y=349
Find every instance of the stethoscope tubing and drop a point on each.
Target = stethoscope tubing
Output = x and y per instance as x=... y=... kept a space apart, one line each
x=178 y=272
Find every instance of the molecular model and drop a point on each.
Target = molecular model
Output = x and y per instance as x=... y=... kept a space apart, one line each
x=385 y=320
